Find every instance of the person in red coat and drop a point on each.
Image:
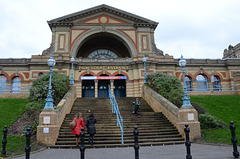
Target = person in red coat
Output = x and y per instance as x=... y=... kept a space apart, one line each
x=77 y=129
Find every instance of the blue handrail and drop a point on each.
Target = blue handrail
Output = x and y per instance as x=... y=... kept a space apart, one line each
x=115 y=109
x=210 y=88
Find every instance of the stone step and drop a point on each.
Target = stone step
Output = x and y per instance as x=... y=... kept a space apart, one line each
x=148 y=126
x=154 y=128
x=97 y=138
x=129 y=124
x=125 y=141
x=168 y=132
x=73 y=146
x=117 y=131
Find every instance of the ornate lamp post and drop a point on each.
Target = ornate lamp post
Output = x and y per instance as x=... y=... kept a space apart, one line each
x=49 y=101
x=186 y=98
x=144 y=59
x=72 y=80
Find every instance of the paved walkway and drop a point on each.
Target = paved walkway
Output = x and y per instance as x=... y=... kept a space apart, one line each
x=199 y=151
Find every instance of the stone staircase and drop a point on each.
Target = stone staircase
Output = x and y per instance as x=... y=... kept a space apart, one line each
x=154 y=128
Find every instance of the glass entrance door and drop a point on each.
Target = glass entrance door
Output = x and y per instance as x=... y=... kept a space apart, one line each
x=88 y=89
x=103 y=88
x=120 y=88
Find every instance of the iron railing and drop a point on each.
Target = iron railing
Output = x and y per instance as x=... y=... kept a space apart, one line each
x=16 y=87
x=211 y=88
x=115 y=109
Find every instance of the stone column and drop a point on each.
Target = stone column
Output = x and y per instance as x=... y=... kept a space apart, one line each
x=48 y=128
x=236 y=78
x=188 y=115
x=96 y=88
x=112 y=87
x=127 y=88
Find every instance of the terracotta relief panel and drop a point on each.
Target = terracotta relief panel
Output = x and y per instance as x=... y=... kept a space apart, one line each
x=144 y=44
x=61 y=42
x=103 y=19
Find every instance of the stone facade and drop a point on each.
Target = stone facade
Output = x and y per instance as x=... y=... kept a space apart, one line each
x=232 y=51
x=128 y=37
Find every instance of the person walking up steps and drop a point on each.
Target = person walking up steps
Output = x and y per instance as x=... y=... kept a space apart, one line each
x=77 y=129
x=91 y=120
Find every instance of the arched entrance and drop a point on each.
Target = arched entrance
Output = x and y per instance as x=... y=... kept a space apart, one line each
x=103 y=45
x=120 y=87
x=103 y=86
x=88 y=88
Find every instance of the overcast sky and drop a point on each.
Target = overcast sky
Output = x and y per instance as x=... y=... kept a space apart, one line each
x=194 y=28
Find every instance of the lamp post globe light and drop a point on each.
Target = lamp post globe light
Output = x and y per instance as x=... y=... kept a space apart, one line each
x=72 y=80
x=144 y=59
x=49 y=101
x=186 y=98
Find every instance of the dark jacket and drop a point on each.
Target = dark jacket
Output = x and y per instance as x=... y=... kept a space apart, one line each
x=91 y=124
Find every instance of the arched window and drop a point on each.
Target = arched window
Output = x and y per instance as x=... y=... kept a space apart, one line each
x=3 y=83
x=216 y=83
x=102 y=53
x=40 y=74
x=188 y=81
x=202 y=82
x=16 y=85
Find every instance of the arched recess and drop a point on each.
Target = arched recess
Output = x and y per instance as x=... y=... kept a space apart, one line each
x=218 y=74
x=123 y=73
x=6 y=75
x=103 y=86
x=201 y=72
x=88 y=87
x=117 y=34
x=16 y=85
x=103 y=74
x=119 y=87
x=14 y=75
x=3 y=83
x=85 y=73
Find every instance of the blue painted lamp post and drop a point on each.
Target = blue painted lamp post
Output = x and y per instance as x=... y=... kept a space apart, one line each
x=72 y=80
x=49 y=101
x=144 y=59
x=186 y=98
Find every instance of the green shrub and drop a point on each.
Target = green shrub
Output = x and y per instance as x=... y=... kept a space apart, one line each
x=207 y=121
x=33 y=109
x=168 y=86
x=60 y=86
x=198 y=108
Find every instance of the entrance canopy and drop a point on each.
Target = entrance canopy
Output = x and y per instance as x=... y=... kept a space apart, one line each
x=102 y=77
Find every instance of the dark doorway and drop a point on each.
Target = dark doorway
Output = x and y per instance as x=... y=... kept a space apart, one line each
x=103 y=88
x=88 y=88
x=120 y=88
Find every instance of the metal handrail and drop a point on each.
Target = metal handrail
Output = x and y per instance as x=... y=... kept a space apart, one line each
x=115 y=109
x=16 y=87
x=210 y=88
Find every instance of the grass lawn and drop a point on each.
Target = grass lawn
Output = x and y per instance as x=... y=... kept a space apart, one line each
x=11 y=110
x=225 y=108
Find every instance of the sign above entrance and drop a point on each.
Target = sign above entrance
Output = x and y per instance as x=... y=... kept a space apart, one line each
x=102 y=77
x=103 y=67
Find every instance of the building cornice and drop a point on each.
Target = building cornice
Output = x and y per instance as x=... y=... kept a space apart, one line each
x=68 y=19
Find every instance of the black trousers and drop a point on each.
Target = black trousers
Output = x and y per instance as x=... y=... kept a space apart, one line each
x=137 y=109
x=91 y=138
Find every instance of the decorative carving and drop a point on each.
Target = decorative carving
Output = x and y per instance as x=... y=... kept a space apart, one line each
x=232 y=51
x=49 y=50
x=156 y=50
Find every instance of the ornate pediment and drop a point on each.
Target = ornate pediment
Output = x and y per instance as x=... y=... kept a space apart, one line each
x=102 y=19
x=102 y=14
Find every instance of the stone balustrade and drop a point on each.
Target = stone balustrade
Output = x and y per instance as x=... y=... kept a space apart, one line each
x=178 y=117
x=50 y=121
